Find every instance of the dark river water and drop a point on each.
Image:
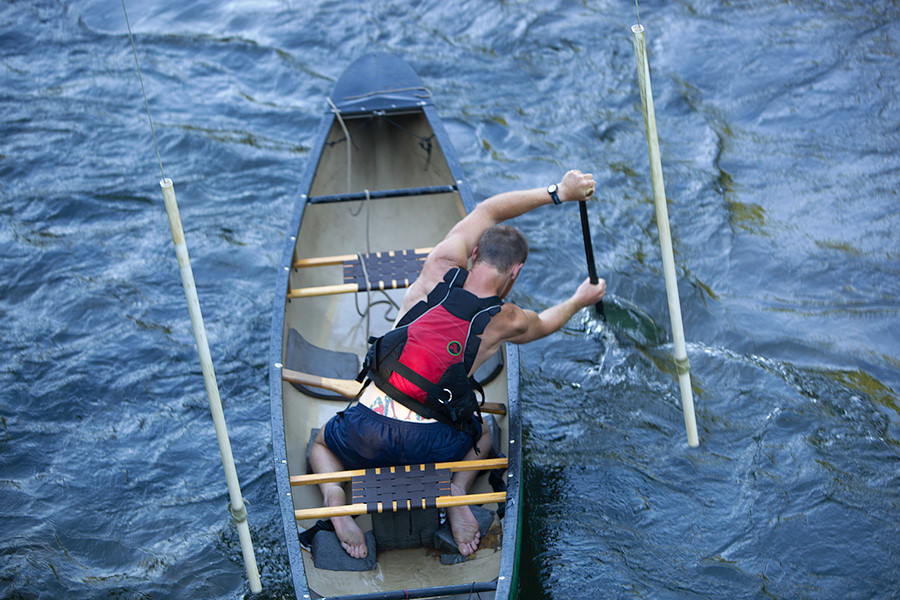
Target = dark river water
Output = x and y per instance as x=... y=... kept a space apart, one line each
x=779 y=125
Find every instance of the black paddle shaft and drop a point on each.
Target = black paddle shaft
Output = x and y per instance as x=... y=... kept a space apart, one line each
x=589 y=251
x=588 y=246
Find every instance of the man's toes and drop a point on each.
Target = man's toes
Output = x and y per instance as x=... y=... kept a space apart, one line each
x=355 y=551
x=468 y=548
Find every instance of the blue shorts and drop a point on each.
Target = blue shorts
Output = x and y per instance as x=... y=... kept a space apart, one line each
x=361 y=438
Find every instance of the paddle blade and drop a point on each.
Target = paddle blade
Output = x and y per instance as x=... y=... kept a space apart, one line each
x=627 y=320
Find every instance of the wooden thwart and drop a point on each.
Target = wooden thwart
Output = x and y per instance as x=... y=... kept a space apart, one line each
x=486 y=464
x=352 y=510
x=395 y=269
x=390 y=489
x=324 y=290
x=378 y=194
x=349 y=388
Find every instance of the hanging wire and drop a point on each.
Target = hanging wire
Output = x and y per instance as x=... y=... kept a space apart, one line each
x=141 y=78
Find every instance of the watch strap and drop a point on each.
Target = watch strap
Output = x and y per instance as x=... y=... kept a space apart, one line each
x=553 y=190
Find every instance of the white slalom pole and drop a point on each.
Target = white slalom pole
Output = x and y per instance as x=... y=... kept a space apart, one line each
x=238 y=511
x=682 y=365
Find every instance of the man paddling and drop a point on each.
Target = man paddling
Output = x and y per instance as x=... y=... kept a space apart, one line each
x=418 y=405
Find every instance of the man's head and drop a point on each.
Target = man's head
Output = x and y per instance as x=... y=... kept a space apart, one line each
x=503 y=247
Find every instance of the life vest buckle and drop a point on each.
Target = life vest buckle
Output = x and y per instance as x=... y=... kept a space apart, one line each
x=449 y=399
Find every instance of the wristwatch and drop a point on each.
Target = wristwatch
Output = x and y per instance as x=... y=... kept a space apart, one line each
x=552 y=189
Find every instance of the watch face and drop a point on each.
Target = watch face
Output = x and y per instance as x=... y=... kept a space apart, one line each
x=552 y=188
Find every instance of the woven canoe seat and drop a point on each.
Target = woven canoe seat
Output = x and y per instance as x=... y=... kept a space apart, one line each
x=400 y=488
x=390 y=270
x=392 y=489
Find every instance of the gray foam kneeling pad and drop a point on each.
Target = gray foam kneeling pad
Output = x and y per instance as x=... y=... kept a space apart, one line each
x=328 y=553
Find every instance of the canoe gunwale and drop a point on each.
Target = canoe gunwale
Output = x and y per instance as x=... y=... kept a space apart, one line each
x=276 y=344
x=429 y=592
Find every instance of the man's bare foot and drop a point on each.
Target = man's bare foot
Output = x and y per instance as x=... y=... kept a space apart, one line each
x=463 y=525
x=353 y=540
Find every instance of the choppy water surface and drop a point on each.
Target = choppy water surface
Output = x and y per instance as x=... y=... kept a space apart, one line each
x=779 y=131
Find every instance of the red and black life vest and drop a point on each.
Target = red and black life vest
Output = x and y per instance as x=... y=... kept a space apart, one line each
x=424 y=362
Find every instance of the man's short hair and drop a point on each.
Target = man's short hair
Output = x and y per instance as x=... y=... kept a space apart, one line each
x=503 y=247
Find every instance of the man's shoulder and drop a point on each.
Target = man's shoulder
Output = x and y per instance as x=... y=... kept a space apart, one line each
x=432 y=274
x=509 y=322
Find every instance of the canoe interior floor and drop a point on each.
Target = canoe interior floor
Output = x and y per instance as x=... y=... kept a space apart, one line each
x=410 y=568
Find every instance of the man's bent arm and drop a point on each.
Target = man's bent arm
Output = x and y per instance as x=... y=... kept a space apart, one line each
x=549 y=320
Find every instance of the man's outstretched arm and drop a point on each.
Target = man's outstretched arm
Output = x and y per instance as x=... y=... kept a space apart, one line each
x=457 y=246
x=508 y=205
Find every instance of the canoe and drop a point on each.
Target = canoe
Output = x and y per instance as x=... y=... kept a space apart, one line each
x=381 y=187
